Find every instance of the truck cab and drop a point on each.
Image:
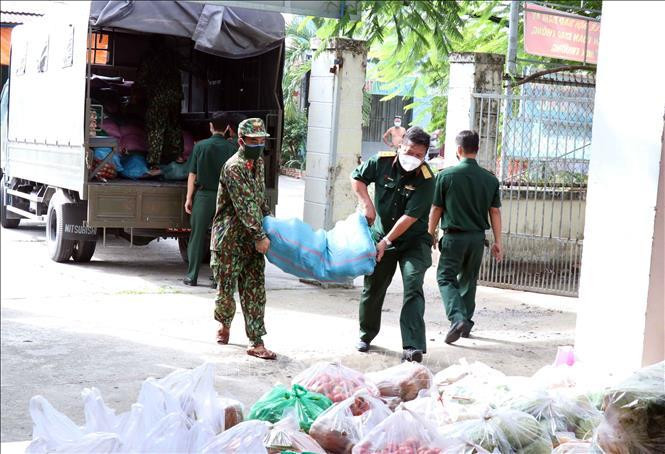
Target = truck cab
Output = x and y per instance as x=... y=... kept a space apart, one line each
x=72 y=76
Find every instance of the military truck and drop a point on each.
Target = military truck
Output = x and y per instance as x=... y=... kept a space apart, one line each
x=230 y=59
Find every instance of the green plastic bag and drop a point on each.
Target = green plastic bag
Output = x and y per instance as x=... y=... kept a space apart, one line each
x=308 y=405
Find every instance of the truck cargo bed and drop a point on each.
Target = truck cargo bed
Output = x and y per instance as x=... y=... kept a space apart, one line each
x=137 y=204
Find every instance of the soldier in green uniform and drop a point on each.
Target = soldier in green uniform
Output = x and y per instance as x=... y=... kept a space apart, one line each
x=205 y=165
x=464 y=196
x=239 y=241
x=404 y=188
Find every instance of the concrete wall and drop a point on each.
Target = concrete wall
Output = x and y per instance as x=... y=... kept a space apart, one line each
x=619 y=244
x=544 y=217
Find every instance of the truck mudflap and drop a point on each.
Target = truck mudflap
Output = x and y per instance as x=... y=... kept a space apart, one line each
x=75 y=227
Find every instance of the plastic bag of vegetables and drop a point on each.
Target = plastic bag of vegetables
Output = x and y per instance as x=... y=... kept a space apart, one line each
x=561 y=416
x=403 y=381
x=286 y=436
x=432 y=408
x=344 y=424
x=335 y=381
x=634 y=414
x=504 y=431
x=402 y=432
x=272 y=406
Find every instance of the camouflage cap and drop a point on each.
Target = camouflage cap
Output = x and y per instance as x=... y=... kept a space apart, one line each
x=252 y=127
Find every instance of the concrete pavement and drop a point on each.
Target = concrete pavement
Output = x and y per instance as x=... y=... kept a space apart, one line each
x=126 y=316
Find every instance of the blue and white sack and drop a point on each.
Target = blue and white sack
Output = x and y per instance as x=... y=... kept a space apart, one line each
x=345 y=252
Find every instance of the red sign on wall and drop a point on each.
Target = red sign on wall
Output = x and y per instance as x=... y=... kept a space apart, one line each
x=551 y=33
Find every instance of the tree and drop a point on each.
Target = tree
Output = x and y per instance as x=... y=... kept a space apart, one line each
x=413 y=38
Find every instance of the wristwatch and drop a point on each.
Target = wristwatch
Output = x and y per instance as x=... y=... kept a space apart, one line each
x=388 y=242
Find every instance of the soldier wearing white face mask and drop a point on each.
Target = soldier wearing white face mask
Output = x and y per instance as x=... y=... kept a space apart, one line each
x=404 y=189
x=396 y=133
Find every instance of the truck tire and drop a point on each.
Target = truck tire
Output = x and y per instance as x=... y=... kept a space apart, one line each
x=183 y=243
x=83 y=251
x=8 y=223
x=59 y=248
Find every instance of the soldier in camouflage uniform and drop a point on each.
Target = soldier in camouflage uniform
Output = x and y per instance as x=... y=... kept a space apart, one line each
x=159 y=81
x=238 y=239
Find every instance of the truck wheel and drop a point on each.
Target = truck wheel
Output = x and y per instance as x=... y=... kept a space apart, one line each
x=7 y=223
x=183 y=243
x=59 y=248
x=83 y=251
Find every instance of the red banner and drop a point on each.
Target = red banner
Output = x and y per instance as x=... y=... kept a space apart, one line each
x=551 y=33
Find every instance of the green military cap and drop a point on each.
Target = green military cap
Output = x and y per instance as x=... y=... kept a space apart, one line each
x=252 y=127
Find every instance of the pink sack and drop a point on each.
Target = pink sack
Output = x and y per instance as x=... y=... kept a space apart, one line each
x=188 y=144
x=111 y=128
x=133 y=138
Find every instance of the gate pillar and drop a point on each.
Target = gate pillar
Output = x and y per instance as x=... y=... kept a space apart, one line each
x=334 y=131
x=470 y=73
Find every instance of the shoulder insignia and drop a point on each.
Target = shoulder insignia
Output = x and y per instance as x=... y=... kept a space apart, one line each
x=387 y=154
x=427 y=173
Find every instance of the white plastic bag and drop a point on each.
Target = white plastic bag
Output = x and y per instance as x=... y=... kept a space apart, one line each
x=51 y=426
x=98 y=417
x=402 y=432
x=334 y=380
x=286 y=436
x=95 y=442
x=404 y=381
x=344 y=424
x=168 y=435
x=245 y=438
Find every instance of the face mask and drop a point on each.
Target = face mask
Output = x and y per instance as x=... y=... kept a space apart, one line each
x=398 y=124
x=253 y=151
x=409 y=163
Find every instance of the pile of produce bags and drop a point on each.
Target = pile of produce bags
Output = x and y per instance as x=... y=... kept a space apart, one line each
x=465 y=408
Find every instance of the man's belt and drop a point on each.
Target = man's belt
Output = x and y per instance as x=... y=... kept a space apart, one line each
x=447 y=231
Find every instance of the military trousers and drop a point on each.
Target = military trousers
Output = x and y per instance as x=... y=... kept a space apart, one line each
x=457 y=273
x=163 y=132
x=203 y=210
x=238 y=263
x=413 y=263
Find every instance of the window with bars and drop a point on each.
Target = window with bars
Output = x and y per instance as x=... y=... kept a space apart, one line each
x=99 y=49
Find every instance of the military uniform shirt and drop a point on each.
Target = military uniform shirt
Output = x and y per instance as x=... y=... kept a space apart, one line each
x=466 y=192
x=207 y=160
x=397 y=193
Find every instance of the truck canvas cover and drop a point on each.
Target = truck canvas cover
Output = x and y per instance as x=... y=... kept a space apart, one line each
x=219 y=30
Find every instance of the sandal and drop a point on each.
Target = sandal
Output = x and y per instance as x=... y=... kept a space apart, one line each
x=223 y=335
x=259 y=351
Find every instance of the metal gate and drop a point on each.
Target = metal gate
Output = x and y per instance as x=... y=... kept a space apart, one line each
x=537 y=142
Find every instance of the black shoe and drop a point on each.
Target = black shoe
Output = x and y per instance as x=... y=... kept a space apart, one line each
x=188 y=281
x=213 y=285
x=467 y=330
x=362 y=346
x=212 y=278
x=412 y=355
x=456 y=331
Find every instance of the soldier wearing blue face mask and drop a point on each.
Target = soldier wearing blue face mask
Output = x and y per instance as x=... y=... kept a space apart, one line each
x=404 y=188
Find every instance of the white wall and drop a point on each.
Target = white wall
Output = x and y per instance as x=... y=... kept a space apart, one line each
x=623 y=182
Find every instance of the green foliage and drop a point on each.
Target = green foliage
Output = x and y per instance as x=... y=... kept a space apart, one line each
x=412 y=39
x=299 y=32
x=295 y=135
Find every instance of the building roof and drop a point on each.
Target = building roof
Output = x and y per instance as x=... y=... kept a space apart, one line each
x=15 y=12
